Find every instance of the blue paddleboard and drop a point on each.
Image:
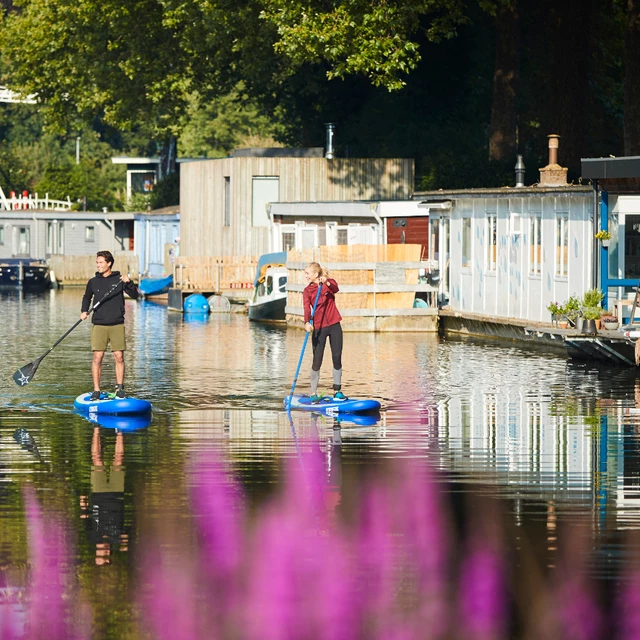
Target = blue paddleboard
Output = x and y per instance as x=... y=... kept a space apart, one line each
x=330 y=406
x=126 y=423
x=111 y=406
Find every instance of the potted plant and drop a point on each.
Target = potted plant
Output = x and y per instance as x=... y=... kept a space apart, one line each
x=592 y=298
x=610 y=322
x=591 y=314
x=572 y=309
x=604 y=237
x=556 y=312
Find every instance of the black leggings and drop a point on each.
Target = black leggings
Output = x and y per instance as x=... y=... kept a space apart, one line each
x=319 y=340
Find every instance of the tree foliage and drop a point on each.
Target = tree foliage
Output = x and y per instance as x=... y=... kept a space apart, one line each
x=360 y=36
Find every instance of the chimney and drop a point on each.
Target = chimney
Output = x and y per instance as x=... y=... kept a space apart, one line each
x=553 y=175
x=519 y=171
x=329 y=150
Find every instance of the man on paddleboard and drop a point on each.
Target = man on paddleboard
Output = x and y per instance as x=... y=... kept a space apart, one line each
x=108 y=318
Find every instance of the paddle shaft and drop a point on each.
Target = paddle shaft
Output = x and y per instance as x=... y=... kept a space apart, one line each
x=304 y=344
x=93 y=308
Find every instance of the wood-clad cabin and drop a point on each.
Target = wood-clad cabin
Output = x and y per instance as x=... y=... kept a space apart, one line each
x=223 y=202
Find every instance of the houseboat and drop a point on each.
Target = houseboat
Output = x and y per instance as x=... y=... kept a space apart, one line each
x=270 y=289
x=24 y=274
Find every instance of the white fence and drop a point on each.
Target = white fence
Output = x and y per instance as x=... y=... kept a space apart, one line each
x=16 y=203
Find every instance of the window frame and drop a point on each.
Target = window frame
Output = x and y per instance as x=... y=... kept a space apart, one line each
x=465 y=244
x=561 y=270
x=491 y=234
x=535 y=241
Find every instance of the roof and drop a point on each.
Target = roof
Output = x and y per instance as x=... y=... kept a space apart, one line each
x=132 y=160
x=600 y=168
x=502 y=192
x=279 y=152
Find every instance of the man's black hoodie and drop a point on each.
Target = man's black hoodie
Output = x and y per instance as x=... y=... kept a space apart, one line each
x=110 y=311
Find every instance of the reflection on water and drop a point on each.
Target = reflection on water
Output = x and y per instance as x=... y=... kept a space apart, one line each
x=555 y=443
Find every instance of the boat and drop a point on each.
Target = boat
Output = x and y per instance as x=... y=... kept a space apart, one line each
x=25 y=274
x=150 y=287
x=270 y=289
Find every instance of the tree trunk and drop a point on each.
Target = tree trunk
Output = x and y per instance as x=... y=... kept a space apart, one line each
x=503 y=127
x=632 y=80
x=568 y=34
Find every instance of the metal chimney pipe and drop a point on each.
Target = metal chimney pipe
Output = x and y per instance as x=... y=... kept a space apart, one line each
x=329 y=153
x=553 y=148
x=519 y=171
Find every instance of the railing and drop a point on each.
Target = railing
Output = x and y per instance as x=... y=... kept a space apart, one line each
x=16 y=203
x=215 y=274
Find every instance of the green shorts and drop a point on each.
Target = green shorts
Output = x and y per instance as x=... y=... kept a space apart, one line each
x=102 y=334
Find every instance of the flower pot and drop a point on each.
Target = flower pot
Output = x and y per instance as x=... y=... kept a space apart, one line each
x=563 y=324
x=598 y=323
x=579 y=323
x=605 y=243
x=589 y=327
x=610 y=325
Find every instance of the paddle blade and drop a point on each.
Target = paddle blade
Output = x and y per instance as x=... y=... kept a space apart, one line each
x=24 y=375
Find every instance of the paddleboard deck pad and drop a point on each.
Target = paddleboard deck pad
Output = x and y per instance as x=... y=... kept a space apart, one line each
x=329 y=406
x=111 y=406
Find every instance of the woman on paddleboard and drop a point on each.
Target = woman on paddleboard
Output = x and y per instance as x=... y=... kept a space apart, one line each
x=325 y=324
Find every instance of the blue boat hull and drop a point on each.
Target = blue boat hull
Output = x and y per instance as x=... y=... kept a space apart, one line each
x=155 y=286
x=111 y=406
x=329 y=406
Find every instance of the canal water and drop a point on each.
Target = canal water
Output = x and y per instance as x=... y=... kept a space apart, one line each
x=552 y=445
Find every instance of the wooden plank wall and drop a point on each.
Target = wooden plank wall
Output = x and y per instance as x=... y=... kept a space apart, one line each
x=222 y=273
x=375 y=255
x=202 y=230
x=76 y=270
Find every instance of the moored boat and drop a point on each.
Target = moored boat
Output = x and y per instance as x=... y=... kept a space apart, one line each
x=24 y=274
x=270 y=289
x=150 y=287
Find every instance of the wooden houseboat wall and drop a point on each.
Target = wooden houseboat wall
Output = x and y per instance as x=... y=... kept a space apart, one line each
x=511 y=253
x=223 y=201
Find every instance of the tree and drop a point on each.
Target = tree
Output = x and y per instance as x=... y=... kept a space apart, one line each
x=632 y=79
x=503 y=126
x=373 y=38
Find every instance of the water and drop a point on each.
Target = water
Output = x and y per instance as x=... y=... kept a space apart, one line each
x=555 y=443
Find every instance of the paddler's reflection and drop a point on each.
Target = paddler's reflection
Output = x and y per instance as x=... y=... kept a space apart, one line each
x=104 y=509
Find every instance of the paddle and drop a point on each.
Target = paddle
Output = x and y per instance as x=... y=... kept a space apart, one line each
x=304 y=346
x=24 y=375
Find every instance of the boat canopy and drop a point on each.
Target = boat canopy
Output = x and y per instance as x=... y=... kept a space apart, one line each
x=267 y=260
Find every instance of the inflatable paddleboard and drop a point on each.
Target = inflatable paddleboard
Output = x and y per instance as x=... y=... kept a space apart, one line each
x=329 y=406
x=119 y=423
x=111 y=406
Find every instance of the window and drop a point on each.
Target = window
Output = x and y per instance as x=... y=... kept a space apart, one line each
x=89 y=234
x=492 y=242
x=60 y=237
x=269 y=285
x=562 y=245
x=466 y=242
x=288 y=241
x=282 y=283
x=24 y=241
x=227 y=201
x=1 y=234
x=342 y=237
x=535 y=245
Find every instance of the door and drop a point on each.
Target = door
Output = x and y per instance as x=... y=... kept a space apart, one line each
x=265 y=190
